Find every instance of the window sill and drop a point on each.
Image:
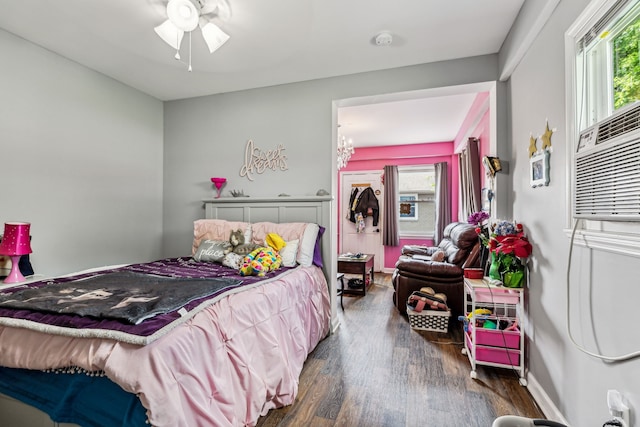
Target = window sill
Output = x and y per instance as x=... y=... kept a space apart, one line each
x=416 y=236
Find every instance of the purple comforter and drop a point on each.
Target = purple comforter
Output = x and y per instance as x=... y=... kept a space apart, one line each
x=149 y=329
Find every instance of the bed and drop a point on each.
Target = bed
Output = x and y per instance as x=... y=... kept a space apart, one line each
x=222 y=359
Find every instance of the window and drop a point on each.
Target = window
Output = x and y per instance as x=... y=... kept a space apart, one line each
x=602 y=76
x=417 y=187
x=607 y=66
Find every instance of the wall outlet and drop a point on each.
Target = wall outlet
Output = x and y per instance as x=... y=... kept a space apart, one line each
x=617 y=407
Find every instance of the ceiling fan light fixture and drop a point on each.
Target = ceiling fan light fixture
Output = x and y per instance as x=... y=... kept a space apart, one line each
x=183 y=14
x=213 y=36
x=170 y=34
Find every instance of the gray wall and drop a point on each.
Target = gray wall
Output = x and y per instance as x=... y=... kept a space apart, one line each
x=603 y=286
x=81 y=160
x=206 y=136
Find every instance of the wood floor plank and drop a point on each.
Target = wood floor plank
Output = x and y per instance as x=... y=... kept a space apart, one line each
x=376 y=371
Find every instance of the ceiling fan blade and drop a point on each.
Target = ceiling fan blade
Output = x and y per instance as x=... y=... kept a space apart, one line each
x=224 y=10
x=208 y=6
x=218 y=8
x=171 y=34
x=214 y=36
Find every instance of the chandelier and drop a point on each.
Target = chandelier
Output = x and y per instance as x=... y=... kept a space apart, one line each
x=186 y=16
x=345 y=150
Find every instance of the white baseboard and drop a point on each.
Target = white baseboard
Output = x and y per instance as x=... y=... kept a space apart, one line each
x=548 y=408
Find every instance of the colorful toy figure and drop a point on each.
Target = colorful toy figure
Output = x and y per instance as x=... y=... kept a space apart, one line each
x=264 y=259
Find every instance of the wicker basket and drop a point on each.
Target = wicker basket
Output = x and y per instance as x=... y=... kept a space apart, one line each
x=429 y=320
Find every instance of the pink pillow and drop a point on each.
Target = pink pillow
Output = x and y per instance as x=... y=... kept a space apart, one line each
x=217 y=229
x=288 y=231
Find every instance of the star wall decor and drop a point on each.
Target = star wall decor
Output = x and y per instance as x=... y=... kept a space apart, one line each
x=532 y=145
x=546 y=138
x=539 y=159
x=546 y=141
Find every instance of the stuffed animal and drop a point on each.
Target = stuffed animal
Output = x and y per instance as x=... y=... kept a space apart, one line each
x=239 y=246
x=233 y=260
x=236 y=238
x=265 y=259
x=260 y=262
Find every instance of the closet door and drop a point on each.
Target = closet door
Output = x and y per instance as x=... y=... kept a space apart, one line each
x=368 y=240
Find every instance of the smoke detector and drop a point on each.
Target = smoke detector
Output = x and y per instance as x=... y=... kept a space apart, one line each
x=384 y=39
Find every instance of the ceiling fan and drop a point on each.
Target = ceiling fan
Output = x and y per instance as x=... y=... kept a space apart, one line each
x=186 y=16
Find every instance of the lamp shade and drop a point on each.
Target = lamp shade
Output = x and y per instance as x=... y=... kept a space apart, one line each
x=15 y=240
x=170 y=34
x=214 y=36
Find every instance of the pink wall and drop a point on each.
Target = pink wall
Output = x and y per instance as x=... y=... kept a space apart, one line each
x=376 y=158
x=477 y=125
x=482 y=133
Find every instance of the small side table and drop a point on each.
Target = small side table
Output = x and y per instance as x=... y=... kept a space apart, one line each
x=362 y=266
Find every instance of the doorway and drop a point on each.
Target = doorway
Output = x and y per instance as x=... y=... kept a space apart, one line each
x=365 y=239
x=381 y=120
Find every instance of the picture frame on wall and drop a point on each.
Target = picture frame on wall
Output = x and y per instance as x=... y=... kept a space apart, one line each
x=539 y=169
x=408 y=207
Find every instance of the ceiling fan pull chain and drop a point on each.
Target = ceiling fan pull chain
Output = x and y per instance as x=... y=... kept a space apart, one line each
x=190 y=69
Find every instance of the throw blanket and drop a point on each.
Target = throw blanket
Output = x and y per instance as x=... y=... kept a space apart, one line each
x=128 y=296
x=144 y=332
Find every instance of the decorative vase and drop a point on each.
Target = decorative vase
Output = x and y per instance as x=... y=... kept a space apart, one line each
x=494 y=268
x=513 y=279
x=218 y=182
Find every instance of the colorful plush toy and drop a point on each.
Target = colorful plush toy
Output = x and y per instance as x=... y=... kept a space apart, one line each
x=264 y=259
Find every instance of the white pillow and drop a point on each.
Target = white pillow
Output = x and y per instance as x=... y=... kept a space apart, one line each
x=308 y=244
x=288 y=253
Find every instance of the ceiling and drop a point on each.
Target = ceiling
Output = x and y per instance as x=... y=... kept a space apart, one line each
x=274 y=42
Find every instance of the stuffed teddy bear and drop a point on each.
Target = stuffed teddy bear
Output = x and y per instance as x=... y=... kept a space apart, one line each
x=264 y=259
x=239 y=246
x=235 y=256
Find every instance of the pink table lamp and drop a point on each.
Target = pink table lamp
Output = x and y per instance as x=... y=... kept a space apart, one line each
x=15 y=243
x=219 y=182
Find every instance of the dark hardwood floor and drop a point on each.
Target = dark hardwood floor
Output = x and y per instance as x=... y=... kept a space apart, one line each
x=376 y=371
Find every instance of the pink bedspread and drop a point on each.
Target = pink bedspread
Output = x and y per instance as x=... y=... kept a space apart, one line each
x=226 y=366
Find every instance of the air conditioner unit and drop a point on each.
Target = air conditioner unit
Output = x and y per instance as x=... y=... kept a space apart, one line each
x=607 y=168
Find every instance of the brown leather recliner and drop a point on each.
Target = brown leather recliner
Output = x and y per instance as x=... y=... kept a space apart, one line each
x=460 y=248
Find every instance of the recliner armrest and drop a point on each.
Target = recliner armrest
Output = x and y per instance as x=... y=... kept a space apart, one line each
x=428 y=268
x=418 y=250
